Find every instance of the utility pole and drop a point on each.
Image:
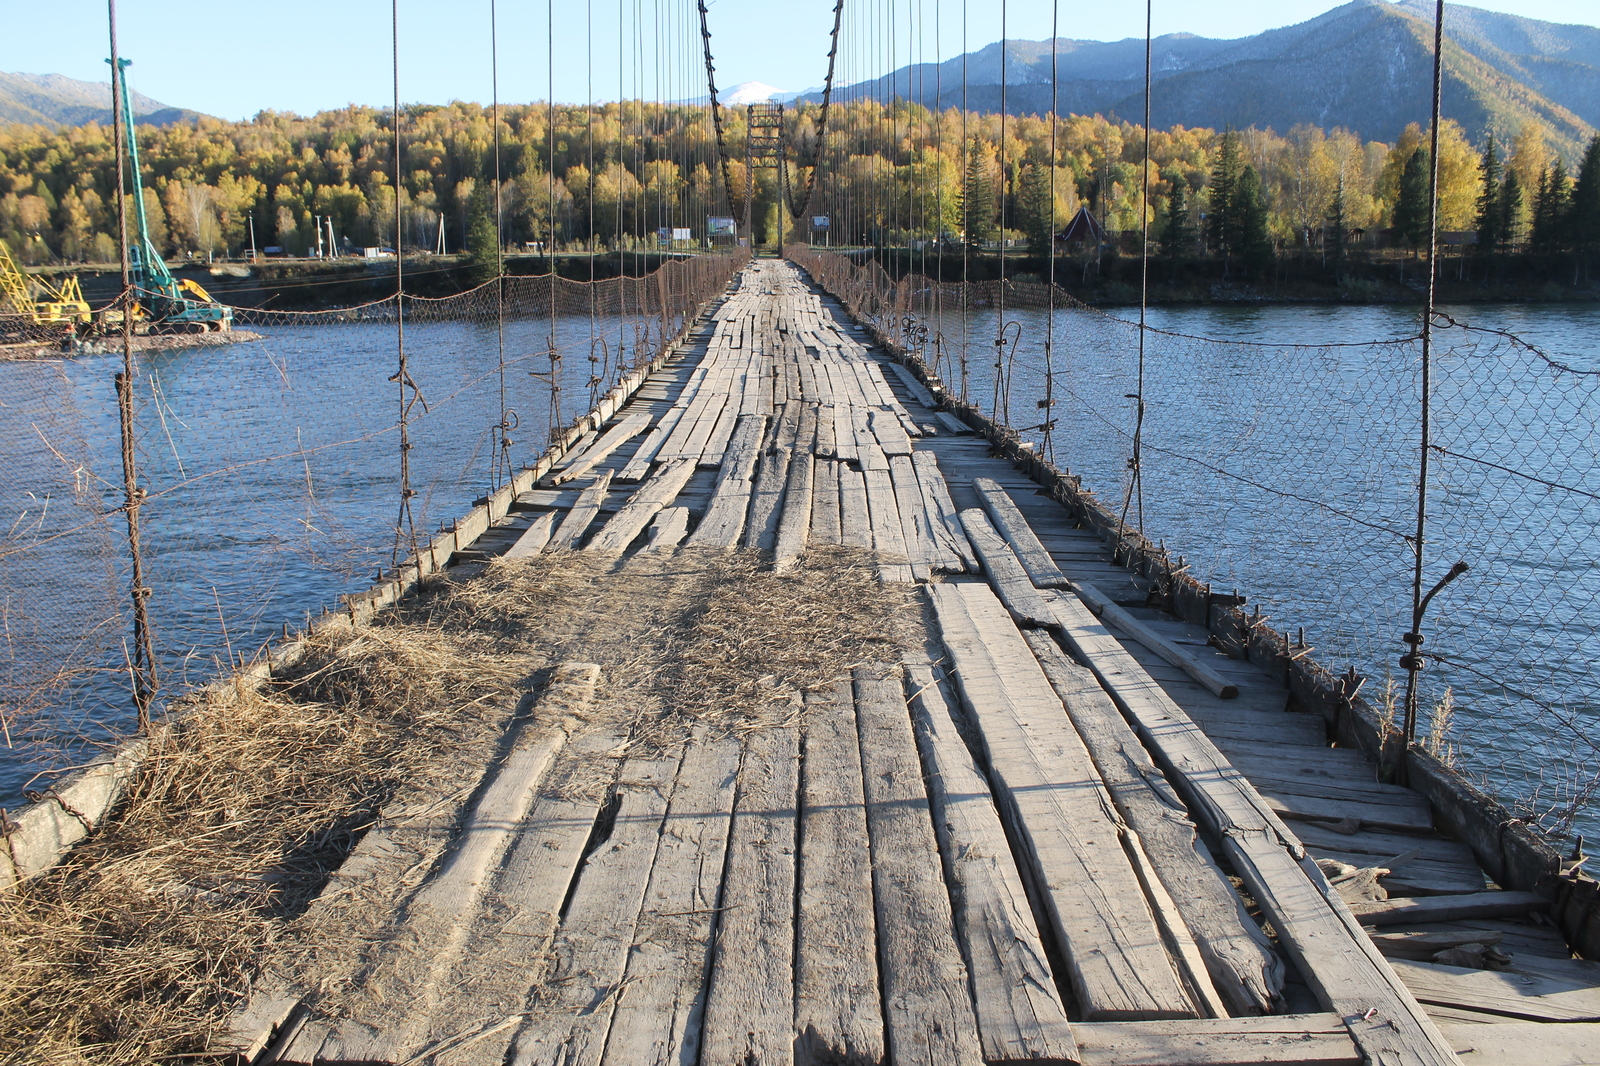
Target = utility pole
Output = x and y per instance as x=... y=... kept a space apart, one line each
x=252 y=238
x=333 y=243
x=317 y=221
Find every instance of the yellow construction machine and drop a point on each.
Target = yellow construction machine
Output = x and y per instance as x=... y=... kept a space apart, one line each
x=35 y=301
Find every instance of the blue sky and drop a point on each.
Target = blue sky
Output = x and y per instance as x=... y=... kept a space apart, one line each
x=231 y=58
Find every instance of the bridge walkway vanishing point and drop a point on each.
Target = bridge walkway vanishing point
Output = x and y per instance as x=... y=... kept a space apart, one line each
x=982 y=848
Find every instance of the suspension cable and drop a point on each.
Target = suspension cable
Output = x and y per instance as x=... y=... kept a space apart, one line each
x=799 y=211
x=501 y=462
x=1136 y=460
x=405 y=523
x=1049 y=419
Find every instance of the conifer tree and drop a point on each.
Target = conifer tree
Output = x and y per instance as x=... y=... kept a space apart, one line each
x=1222 y=221
x=483 y=252
x=1255 y=242
x=1583 y=216
x=1038 y=213
x=1177 y=237
x=1490 y=215
x=1335 y=226
x=1411 y=207
x=977 y=197
x=1550 y=207
x=1510 y=207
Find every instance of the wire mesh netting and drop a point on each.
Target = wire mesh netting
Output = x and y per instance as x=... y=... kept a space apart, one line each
x=269 y=460
x=1290 y=472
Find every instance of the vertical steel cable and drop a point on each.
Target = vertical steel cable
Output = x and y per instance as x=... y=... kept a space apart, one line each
x=1412 y=660
x=1002 y=398
x=1048 y=421
x=588 y=129
x=405 y=524
x=142 y=669
x=966 y=214
x=550 y=198
x=1136 y=460
x=501 y=466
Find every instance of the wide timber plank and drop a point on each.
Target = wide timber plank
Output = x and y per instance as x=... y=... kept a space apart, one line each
x=576 y=523
x=657 y=1017
x=838 y=1014
x=927 y=1009
x=1059 y=815
x=571 y=1008
x=1019 y=1010
x=749 y=1013
x=1243 y=965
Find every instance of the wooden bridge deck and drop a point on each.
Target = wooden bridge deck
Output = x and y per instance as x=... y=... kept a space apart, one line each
x=983 y=853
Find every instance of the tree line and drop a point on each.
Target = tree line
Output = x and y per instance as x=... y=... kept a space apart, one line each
x=612 y=175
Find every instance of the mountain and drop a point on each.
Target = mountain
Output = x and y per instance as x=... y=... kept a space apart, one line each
x=56 y=100
x=1366 y=66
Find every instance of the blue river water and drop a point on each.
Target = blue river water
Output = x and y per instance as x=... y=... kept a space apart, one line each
x=1279 y=456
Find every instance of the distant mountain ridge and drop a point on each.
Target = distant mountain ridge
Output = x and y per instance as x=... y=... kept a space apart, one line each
x=57 y=100
x=1366 y=66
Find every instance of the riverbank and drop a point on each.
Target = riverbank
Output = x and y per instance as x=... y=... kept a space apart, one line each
x=1114 y=280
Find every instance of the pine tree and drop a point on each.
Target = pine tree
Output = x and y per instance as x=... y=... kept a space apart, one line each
x=1490 y=215
x=1177 y=237
x=1510 y=206
x=1255 y=242
x=483 y=252
x=1411 y=208
x=1550 y=206
x=1583 y=216
x=1335 y=226
x=1222 y=221
x=977 y=197
x=1037 y=211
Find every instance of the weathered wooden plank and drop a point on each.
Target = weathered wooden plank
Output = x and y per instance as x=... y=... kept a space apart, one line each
x=941 y=509
x=571 y=1009
x=657 y=1016
x=1344 y=970
x=534 y=538
x=869 y=453
x=1059 y=815
x=825 y=502
x=794 y=527
x=1524 y=1043
x=838 y=1014
x=724 y=519
x=1292 y=1040
x=576 y=522
x=888 y=531
x=1133 y=627
x=922 y=547
x=927 y=1009
x=918 y=390
x=1242 y=963
x=1005 y=572
x=601 y=449
x=749 y=1012
x=656 y=493
x=761 y=530
x=1002 y=510
x=855 y=516
x=890 y=434
x=1019 y=1011
x=1505 y=992
x=668 y=530
x=1409 y=910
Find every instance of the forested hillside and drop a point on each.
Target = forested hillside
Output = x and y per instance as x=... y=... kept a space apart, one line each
x=615 y=173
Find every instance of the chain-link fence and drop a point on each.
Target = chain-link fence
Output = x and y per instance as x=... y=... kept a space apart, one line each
x=269 y=461
x=1291 y=472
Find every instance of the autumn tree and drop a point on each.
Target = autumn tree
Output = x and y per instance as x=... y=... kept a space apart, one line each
x=1491 y=217
x=1411 y=207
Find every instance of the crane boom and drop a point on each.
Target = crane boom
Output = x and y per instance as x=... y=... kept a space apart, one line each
x=168 y=300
